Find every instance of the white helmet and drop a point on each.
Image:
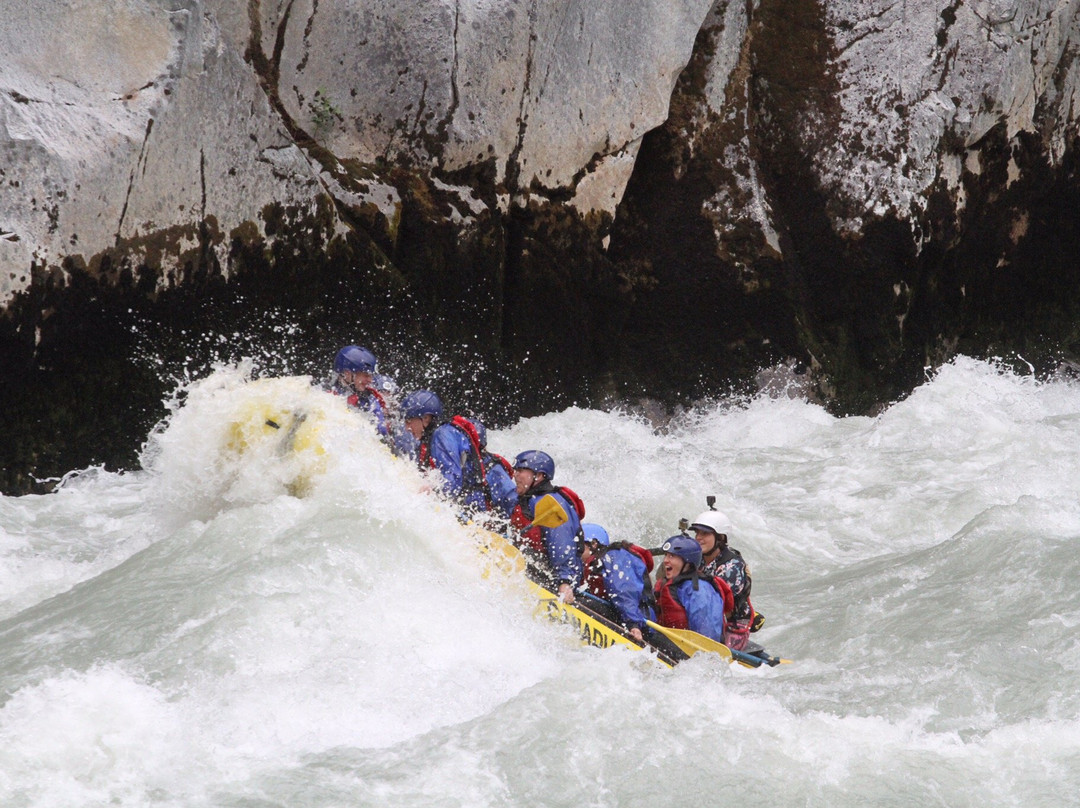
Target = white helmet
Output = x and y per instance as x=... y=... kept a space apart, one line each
x=715 y=521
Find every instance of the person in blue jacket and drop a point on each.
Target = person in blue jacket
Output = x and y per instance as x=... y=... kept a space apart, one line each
x=452 y=447
x=556 y=550
x=355 y=379
x=420 y=414
x=684 y=597
x=499 y=473
x=617 y=575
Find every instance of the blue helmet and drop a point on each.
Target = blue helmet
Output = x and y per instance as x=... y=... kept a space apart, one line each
x=596 y=533
x=685 y=548
x=354 y=358
x=538 y=462
x=421 y=403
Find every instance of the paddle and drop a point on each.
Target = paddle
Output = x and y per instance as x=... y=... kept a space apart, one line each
x=549 y=513
x=748 y=658
x=690 y=642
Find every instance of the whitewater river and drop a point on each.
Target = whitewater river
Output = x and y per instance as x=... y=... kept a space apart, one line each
x=194 y=634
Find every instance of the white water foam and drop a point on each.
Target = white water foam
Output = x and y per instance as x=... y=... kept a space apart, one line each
x=195 y=634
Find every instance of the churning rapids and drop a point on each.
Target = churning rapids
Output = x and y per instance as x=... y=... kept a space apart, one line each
x=194 y=635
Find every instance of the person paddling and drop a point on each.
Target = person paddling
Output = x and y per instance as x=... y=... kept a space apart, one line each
x=452 y=447
x=355 y=379
x=420 y=411
x=617 y=581
x=685 y=598
x=555 y=551
x=499 y=476
x=711 y=529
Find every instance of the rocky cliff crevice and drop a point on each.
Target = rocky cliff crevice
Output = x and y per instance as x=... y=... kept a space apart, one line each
x=867 y=189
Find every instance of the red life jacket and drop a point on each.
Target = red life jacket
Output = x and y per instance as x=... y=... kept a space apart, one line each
x=469 y=428
x=574 y=499
x=643 y=554
x=354 y=399
x=425 y=460
x=594 y=580
x=533 y=538
x=502 y=461
x=423 y=457
x=671 y=613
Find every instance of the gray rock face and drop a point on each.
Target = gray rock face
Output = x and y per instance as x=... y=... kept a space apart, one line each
x=899 y=97
x=133 y=118
x=128 y=126
x=941 y=71
x=544 y=90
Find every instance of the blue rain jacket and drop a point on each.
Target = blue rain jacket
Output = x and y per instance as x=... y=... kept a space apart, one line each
x=453 y=454
x=704 y=608
x=501 y=487
x=623 y=574
x=562 y=545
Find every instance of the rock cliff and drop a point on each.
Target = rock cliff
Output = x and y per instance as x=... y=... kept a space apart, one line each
x=645 y=197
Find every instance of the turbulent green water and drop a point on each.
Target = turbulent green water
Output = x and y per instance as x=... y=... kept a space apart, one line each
x=195 y=635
